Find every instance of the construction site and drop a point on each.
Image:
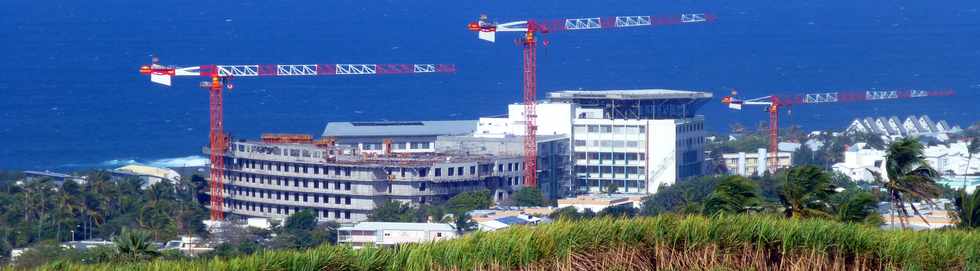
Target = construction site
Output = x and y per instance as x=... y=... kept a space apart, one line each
x=576 y=142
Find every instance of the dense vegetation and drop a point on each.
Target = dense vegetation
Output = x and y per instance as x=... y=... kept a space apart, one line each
x=42 y=211
x=727 y=242
x=810 y=201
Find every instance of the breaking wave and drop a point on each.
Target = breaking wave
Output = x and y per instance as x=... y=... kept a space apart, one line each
x=187 y=161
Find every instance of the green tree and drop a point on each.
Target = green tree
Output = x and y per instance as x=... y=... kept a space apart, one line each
x=682 y=197
x=468 y=201
x=463 y=222
x=528 y=196
x=805 y=192
x=908 y=177
x=968 y=209
x=612 y=188
x=566 y=213
x=734 y=194
x=395 y=211
x=859 y=207
x=805 y=156
x=134 y=245
x=623 y=211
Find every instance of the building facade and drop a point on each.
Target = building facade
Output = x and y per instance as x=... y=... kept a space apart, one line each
x=554 y=168
x=274 y=180
x=391 y=233
x=637 y=140
x=754 y=164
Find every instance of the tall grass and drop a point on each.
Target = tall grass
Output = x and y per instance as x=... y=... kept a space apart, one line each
x=662 y=242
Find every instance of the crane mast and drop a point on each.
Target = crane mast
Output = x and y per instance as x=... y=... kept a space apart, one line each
x=529 y=40
x=219 y=79
x=773 y=104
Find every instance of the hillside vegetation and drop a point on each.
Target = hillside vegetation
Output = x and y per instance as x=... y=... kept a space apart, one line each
x=670 y=242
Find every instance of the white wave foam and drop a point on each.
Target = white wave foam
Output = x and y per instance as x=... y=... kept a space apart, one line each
x=117 y=162
x=187 y=161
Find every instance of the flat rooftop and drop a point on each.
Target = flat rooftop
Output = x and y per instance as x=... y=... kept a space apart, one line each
x=379 y=226
x=399 y=128
x=634 y=94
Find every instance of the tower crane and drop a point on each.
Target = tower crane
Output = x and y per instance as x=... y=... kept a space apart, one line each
x=219 y=78
x=772 y=104
x=529 y=40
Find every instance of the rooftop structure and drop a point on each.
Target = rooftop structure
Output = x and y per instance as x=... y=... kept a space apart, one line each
x=395 y=136
x=892 y=127
x=149 y=175
x=599 y=202
x=392 y=233
x=637 y=104
x=58 y=178
x=399 y=128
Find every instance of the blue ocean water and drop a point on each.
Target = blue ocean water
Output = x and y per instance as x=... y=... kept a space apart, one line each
x=71 y=97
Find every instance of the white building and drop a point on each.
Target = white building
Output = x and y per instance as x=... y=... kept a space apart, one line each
x=598 y=202
x=751 y=164
x=859 y=161
x=635 y=139
x=892 y=128
x=951 y=159
x=393 y=233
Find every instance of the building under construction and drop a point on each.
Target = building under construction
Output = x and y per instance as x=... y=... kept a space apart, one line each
x=283 y=174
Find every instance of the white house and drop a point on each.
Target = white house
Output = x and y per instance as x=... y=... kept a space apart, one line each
x=393 y=233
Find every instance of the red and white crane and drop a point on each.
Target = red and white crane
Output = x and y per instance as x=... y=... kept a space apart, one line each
x=487 y=31
x=773 y=104
x=220 y=79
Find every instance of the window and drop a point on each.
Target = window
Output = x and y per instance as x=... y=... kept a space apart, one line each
x=438 y=234
x=593 y=129
x=347 y=200
x=347 y=214
x=605 y=129
x=347 y=171
x=306 y=153
x=316 y=198
x=336 y=214
x=438 y=172
x=459 y=170
x=336 y=186
x=580 y=143
x=294 y=152
x=347 y=186
x=316 y=184
x=305 y=183
x=423 y=172
x=472 y=170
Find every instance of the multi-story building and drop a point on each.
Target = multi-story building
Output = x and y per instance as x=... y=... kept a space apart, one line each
x=754 y=164
x=553 y=163
x=274 y=180
x=393 y=233
x=637 y=140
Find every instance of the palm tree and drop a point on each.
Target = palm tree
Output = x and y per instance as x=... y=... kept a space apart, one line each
x=908 y=177
x=805 y=193
x=134 y=245
x=734 y=194
x=974 y=147
x=968 y=209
